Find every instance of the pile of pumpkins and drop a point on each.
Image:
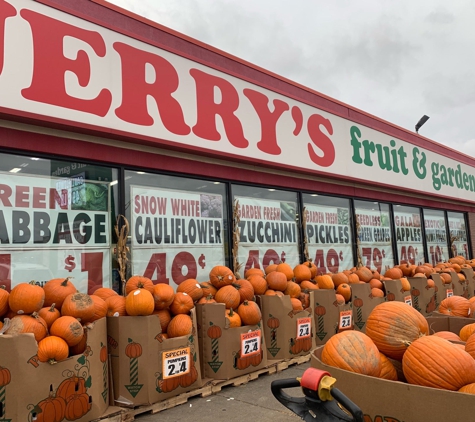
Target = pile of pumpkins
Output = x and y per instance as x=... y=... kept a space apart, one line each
x=398 y=346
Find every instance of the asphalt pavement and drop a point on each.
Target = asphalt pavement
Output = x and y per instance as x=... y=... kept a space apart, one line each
x=251 y=402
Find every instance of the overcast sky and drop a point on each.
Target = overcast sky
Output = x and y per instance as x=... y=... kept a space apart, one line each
x=397 y=60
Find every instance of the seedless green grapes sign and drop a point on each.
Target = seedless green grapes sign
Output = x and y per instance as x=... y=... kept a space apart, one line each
x=268 y=233
x=176 y=235
x=54 y=227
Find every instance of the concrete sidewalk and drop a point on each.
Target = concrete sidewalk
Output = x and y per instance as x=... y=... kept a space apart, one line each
x=251 y=402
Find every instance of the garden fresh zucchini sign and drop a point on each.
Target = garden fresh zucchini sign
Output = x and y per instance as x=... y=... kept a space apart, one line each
x=98 y=82
x=176 y=235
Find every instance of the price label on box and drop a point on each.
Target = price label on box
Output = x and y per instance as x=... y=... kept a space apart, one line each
x=346 y=320
x=304 y=328
x=408 y=300
x=251 y=343
x=176 y=362
x=450 y=293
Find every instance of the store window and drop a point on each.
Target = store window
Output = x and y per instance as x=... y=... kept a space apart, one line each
x=436 y=236
x=178 y=226
x=408 y=229
x=328 y=241
x=56 y=221
x=268 y=227
x=458 y=234
x=373 y=228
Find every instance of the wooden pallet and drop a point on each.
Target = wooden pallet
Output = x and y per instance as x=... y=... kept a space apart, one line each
x=210 y=387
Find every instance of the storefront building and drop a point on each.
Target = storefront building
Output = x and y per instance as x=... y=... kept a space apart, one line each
x=211 y=160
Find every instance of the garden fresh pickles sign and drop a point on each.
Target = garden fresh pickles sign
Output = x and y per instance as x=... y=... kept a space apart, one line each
x=329 y=238
x=268 y=233
x=374 y=235
x=409 y=237
x=46 y=233
x=176 y=235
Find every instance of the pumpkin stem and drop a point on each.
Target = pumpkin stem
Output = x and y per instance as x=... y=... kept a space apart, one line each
x=35 y=315
x=52 y=362
x=52 y=307
x=32 y=282
x=65 y=282
x=231 y=312
x=3 y=287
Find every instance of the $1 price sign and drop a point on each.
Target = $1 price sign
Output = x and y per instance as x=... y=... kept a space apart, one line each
x=251 y=343
x=346 y=320
x=304 y=327
x=176 y=362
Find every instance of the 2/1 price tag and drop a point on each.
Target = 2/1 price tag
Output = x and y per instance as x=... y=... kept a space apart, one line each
x=176 y=362
x=450 y=293
x=408 y=300
x=304 y=327
x=251 y=343
x=346 y=320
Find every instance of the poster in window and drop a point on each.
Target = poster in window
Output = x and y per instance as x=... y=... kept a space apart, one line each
x=436 y=237
x=458 y=235
x=409 y=240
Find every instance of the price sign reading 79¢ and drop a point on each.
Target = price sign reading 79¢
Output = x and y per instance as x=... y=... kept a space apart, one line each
x=251 y=343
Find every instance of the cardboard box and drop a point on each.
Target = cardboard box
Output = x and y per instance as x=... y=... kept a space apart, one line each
x=442 y=289
x=363 y=303
x=470 y=276
x=423 y=296
x=330 y=318
x=228 y=352
x=393 y=401
x=81 y=381
x=287 y=333
x=461 y=288
x=394 y=291
x=147 y=368
x=453 y=323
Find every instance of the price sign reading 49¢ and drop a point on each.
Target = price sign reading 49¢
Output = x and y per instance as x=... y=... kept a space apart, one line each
x=176 y=362
x=346 y=320
x=304 y=327
x=251 y=343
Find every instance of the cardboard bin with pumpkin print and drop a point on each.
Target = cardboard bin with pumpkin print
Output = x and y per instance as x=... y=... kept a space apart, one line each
x=146 y=367
x=363 y=303
x=288 y=333
x=76 y=389
x=228 y=352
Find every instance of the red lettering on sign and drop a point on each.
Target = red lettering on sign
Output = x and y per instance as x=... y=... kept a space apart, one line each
x=6 y=11
x=50 y=65
x=321 y=140
x=208 y=109
x=5 y=193
x=135 y=90
x=21 y=196
x=39 y=197
x=268 y=142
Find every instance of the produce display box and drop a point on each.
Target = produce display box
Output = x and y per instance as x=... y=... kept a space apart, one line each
x=147 y=368
x=363 y=303
x=425 y=299
x=287 y=333
x=394 y=291
x=329 y=317
x=74 y=389
x=226 y=352
x=383 y=400
x=470 y=277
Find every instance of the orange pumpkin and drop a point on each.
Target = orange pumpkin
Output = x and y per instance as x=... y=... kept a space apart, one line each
x=138 y=282
x=364 y=274
x=115 y=306
x=448 y=335
x=220 y=276
x=206 y=299
x=452 y=369
x=52 y=349
x=296 y=304
x=455 y=306
x=100 y=308
x=139 y=302
x=71 y=386
x=80 y=347
x=393 y=326
x=470 y=346
x=253 y=271
x=394 y=273
x=26 y=298
x=292 y=289
x=165 y=318
x=208 y=288
x=228 y=295
x=469 y=388
x=466 y=331
x=272 y=267
x=325 y=282
x=80 y=306
x=56 y=291
x=51 y=409
x=277 y=280
x=245 y=289
x=180 y=325
x=182 y=303
x=50 y=314
x=104 y=292
x=163 y=295
x=388 y=371
x=285 y=268
x=33 y=324
x=259 y=284
x=345 y=291
x=77 y=406
x=192 y=287
x=3 y=301
x=340 y=278
x=249 y=312
x=234 y=318
x=308 y=285
x=354 y=352
x=69 y=329
x=301 y=272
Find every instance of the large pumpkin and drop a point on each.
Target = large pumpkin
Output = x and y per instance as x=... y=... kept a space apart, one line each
x=393 y=326
x=455 y=306
x=434 y=362
x=56 y=291
x=352 y=351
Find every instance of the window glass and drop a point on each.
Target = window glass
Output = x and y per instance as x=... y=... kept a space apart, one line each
x=178 y=226
x=56 y=221
x=408 y=228
x=328 y=232
x=373 y=227
x=436 y=236
x=458 y=234
x=268 y=227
